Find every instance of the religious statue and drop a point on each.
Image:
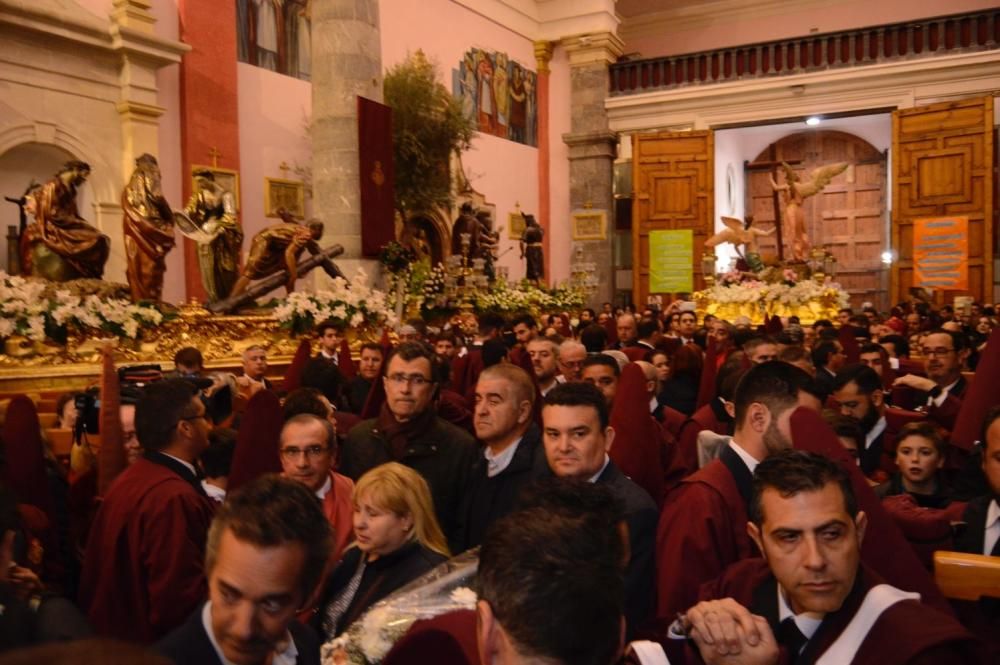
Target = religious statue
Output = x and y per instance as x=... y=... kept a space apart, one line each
x=488 y=241
x=278 y=248
x=466 y=223
x=60 y=245
x=148 y=224
x=742 y=235
x=531 y=248
x=212 y=213
x=26 y=205
x=794 y=192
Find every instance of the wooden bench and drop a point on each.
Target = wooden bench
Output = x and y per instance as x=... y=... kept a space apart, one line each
x=963 y=576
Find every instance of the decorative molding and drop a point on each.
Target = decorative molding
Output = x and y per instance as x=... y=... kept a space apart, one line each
x=137 y=111
x=588 y=49
x=543 y=55
x=879 y=86
x=591 y=145
x=134 y=14
x=547 y=19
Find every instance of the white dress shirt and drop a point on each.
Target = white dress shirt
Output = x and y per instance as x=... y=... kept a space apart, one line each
x=875 y=433
x=287 y=656
x=992 y=534
x=593 y=478
x=325 y=489
x=497 y=463
x=747 y=458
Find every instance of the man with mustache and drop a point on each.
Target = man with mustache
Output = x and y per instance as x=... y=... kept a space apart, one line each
x=810 y=599
x=940 y=392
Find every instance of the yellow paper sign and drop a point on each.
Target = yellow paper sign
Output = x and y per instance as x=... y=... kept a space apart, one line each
x=671 y=261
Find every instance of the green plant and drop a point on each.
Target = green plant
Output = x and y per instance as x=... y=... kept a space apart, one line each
x=427 y=127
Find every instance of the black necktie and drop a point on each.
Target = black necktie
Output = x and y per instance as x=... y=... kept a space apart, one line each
x=791 y=638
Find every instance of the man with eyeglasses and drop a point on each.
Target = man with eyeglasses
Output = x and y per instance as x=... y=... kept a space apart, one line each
x=940 y=392
x=142 y=571
x=308 y=449
x=408 y=430
x=571 y=357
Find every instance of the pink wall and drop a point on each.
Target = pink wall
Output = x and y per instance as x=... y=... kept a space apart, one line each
x=723 y=31
x=274 y=113
x=506 y=173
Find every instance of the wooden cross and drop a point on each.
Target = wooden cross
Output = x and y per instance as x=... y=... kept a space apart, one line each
x=214 y=154
x=772 y=165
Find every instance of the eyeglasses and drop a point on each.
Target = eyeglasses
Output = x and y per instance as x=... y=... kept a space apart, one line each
x=937 y=352
x=417 y=380
x=311 y=452
x=201 y=415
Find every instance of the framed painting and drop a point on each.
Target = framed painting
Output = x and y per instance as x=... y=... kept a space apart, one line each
x=515 y=225
x=226 y=178
x=590 y=225
x=287 y=194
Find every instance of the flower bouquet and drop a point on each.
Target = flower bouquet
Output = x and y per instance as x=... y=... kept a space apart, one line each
x=445 y=589
x=354 y=304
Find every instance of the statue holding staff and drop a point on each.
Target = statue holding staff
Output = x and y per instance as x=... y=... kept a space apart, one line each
x=795 y=192
x=148 y=225
x=531 y=248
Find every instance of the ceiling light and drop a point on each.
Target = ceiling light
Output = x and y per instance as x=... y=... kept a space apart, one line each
x=814 y=120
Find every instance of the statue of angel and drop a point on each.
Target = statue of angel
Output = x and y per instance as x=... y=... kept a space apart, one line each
x=739 y=233
x=795 y=192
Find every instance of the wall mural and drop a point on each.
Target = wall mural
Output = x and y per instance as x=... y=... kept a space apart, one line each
x=275 y=35
x=499 y=95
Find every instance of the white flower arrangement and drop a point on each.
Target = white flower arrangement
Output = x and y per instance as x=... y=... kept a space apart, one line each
x=26 y=310
x=354 y=304
x=442 y=590
x=526 y=297
x=754 y=292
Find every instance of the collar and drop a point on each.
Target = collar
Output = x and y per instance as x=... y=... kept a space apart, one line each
x=875 y=432
x=325 y=489
x=497 y=463
x=187 y=465
x=559 y=378
x=593 y=478
x=992 y=513
x=332 y=357
x=288 y=655
x=654 y=404
x=747 y=458
x=806 y=624
x=214 y=493
x=830 y=372
x=947 y=389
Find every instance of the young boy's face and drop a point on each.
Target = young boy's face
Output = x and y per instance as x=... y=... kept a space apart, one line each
x=917 y=458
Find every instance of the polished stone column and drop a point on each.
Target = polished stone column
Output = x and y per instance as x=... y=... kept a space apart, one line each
x=347 y=63
x=543 y=55
x=592 y=146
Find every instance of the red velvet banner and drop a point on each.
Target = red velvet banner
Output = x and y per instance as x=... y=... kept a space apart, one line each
x=377 y=176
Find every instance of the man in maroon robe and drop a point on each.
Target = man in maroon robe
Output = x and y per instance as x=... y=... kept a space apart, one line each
x=939 y=393
x=702 y=528
x=143 y=568
x=810 y=600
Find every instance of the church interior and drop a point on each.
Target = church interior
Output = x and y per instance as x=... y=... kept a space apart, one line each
x=245 y=177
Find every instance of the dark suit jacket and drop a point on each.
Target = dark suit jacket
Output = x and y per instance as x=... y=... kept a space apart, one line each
x=189 y=643
x=973 y=536
x=641 y=516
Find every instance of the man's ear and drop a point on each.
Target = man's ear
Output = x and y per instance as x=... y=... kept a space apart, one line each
x=524 y=414
x=878 y=397
x=730 y=408
x=486 y=627
x=609 y=437
x=758 y=417
x=861 y=524
x=755 y=535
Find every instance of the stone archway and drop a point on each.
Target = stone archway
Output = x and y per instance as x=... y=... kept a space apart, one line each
x=18 y=167
x=848 y=216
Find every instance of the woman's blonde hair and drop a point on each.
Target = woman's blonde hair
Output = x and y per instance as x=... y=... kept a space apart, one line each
x=403 y=491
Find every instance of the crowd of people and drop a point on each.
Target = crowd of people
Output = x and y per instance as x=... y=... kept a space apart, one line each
x=638 y=486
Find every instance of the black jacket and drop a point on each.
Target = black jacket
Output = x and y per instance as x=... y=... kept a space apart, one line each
x=488 y=499
x=356 y=393
x=443 y=455
x=641 y=516
x=189 y=643
x=381 y=577
x=973 y=537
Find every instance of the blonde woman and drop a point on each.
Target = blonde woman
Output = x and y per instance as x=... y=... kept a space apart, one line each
x=398 y=540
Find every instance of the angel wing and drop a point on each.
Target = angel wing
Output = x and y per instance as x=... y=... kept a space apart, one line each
x=821 y=177
x=722 y=237
x=734 y=223
x=757 y=231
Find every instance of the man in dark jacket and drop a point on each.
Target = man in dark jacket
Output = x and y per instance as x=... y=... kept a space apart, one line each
x=409 y=431
x=267 y=548
x=512 y=453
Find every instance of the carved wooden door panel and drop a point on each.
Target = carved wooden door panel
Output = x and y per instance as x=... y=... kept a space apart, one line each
x=672 y=182
x=847 y=217
x=942 y=165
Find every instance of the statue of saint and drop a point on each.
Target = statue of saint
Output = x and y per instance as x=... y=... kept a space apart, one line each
x=466 y=223
x=531 y=248
x=794 y=192
x=60 y=245
x=212 y=209
x=278 y=248
x=488 y=241
x=148 y=224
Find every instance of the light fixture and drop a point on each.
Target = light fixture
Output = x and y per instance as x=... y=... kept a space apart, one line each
x=813 y=120
x=887 y=257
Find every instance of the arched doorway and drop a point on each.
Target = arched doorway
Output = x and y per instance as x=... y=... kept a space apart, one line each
x=425 y=232
x=848 y=217
x=18 y=167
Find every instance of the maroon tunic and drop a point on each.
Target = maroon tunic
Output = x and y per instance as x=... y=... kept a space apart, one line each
x=143 y=570
x=907 y=633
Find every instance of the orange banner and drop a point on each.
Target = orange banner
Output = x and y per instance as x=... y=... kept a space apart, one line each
x=941 y=253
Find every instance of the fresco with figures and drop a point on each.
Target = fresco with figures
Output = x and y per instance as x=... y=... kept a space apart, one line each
x=275 y=35
x=498 y=94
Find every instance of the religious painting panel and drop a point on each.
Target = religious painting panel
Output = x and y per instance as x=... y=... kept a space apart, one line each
x=515 y=225
x=275 y=35
x=498 y=94
x=590 y=225
x=287 y=194
x=943 y=167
